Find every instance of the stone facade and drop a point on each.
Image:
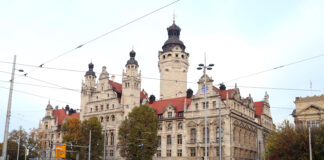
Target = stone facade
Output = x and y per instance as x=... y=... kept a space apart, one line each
x=49 y=130
x=244 y=123
x=309 y=111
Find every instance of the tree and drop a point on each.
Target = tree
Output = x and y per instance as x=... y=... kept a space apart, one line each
x=97 y=136
x=72 y=135
x=77 y=133
x=290 y=143
x=32 y=144
x=138 y=134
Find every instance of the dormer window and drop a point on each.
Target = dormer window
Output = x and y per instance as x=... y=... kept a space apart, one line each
x=169 y=114
x=180 y=114
x=160 y=116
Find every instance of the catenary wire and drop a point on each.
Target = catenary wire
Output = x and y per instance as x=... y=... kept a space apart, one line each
x=278 y=67
x=105 y=34
x=32 y=94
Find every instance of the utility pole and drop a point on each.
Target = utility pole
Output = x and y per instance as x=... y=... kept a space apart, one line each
x=51 y=143
x=205 y=89
x=89 y=146
x=5 y=139
x=220 y=129
x=105 y=139
x=310 y=143
x=18 y=147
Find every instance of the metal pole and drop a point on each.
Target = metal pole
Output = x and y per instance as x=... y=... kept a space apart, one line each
x=5 y=138
x=89 y=146
x=310 y=143
x=205 y=108
x=51 y=143
x=105 y=139
x=18 y=148
x=220 y=129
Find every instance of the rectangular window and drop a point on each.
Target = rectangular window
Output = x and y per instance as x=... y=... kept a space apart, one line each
x=179 y=153
x=179 y=139
x=197 y=106
x=214 y=104
x=169 y=114
x=180 y=114
x=111 y=153
x=192 y=152
x=101 y=107
x=168 y=153
x=159 y=141
x=313 y=123
x=169 y=142
x=308 y=123
x=204 y=105
x=318 y=123
x=158 y=153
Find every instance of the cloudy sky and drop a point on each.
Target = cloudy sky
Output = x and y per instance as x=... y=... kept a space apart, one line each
x=239 y=37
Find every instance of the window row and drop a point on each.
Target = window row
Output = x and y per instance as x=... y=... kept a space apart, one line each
x=169 y=153
x=193 y=135
x=175 y=55
x=107 y=118
x=96 y=108
x=170 y=115
x=170 y=126
x=206 y=105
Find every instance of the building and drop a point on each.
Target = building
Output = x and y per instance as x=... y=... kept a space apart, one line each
x=244 y=123
x=309 y=111
x=49 y=130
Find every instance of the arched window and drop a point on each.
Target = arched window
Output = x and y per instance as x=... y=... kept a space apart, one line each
x=112 y=118
x=193 y=135
x=205 y=135
x=219 y=135
x=101 y=119
x=170 y=126
x=107 y=106
x=96 y=108
x=182 y=56
x=112 y=138
x=107 y=118
x=180 y=125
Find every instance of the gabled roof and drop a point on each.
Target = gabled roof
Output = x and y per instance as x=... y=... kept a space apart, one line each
x=117 y=87
x=258 y=106
x=60 y=115
x=177 y=103
x=310 y=106
x=223 y=93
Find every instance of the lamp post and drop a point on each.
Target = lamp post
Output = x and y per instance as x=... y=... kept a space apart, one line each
x=205 y=89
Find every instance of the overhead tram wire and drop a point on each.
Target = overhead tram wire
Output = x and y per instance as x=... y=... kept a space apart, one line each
x=252 y=87
x=50 y=83
x=36 y=85
x=249 y=75
x=278 y=67
x=32 y=94
x=105 y=34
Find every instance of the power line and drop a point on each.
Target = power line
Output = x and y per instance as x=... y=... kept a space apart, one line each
x=274 y=88
x=278 y=67
x=105 y=34
x=36 y=85
x=32 y=94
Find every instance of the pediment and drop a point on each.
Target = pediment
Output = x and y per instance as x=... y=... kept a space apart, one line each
x=309 y=110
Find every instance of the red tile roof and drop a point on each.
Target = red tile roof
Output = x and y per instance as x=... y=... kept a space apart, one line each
x=60 y=115
x=258 y=106
x=223 y=93
x=177 y=103
x=117 y=87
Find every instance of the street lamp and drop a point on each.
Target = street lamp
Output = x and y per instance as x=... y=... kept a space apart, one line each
x=205 y=89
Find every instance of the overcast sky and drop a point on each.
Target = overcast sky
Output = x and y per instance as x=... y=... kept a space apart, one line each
x=239 y=37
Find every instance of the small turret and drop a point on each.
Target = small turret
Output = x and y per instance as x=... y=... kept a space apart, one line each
x=49 y=109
